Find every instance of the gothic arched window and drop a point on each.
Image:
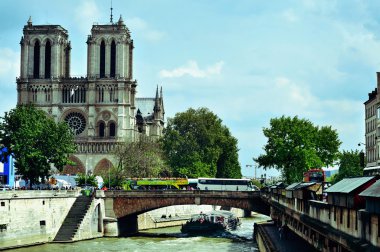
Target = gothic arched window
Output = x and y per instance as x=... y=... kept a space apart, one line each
x=36 y=60
x=102 y=58
x=112 y=128
x=101 y=129
x=47 y=60
x=113 y=59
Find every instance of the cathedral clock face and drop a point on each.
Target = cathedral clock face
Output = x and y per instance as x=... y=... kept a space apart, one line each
x=76 y=122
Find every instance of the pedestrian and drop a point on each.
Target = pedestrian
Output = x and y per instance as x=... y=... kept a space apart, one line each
x=281 y=232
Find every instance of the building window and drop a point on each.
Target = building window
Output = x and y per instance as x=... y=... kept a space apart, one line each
x=47 y=60
x=101 y=129
x=100 y=92
x=112 y=128
x=42 y=223
x=102 y=58
x=113 y=59
x=112 y=92
x=34 y=95
x=2 y=203
x=3 y=227
x=36 y=60
x=47 y=95
x=76 y=122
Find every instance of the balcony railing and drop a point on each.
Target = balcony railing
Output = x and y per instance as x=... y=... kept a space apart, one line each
x=96 y=145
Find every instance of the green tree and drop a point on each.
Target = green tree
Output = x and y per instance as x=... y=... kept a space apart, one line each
x=86 y=180
x=35 y=141
x=295 y=145
x=143 y=158
x=196 y=144
x=349 y=165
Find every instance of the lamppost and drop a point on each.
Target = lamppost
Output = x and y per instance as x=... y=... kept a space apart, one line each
x=248 y=165
x=109 y=176
x=255 y=169
x=85 y=175
x=362 y=156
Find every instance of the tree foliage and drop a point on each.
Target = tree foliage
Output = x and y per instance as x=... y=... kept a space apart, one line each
x=196 y=144
x=349 y=165
x=143 y=158
x=86 y=180
x=35 y=141
x=295 y=145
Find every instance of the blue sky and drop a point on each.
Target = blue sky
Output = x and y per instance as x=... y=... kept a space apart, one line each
x=246 y=60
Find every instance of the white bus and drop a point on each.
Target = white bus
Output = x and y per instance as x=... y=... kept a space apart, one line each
x=222 y=184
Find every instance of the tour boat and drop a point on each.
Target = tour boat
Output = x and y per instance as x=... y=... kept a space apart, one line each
x=215 y=221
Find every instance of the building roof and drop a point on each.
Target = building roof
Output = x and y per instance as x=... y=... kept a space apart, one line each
x=371 y=96
x=372 y=191
x=348 y=185
x=145 y=105
x=303 y=185
x=279 y=185
x=292 y=186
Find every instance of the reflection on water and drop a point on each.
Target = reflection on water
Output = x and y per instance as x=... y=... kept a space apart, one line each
x=172 y=240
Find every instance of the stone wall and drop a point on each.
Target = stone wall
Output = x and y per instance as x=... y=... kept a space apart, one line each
x=32 y=217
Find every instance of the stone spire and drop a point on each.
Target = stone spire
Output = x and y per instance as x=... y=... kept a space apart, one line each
x=29 y=21
x=111 y=19
x=121 y=21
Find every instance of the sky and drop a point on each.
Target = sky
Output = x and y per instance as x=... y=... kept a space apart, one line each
x=246 y=60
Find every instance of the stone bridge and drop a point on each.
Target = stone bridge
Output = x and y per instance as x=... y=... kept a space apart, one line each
x=124 y=206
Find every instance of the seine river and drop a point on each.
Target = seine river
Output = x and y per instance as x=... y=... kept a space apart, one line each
x=161 y=240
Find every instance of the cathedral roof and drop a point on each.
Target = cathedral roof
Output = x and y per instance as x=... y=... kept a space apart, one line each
x=145 y=105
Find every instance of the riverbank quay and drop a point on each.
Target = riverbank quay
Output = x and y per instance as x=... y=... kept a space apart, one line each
x=44 y=216
x=269 y=239
x=33 y=217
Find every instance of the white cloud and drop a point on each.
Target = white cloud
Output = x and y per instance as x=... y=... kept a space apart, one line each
x=9 y=64
x=296 y=93
x=142 y=28
x=359 y=43
x=86 y=14
x=136 y=23
x=192 y=69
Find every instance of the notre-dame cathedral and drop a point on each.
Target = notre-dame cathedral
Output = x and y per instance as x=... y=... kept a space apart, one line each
x=101 y=108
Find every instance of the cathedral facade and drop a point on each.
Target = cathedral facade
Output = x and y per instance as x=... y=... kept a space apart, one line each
x=101 y=108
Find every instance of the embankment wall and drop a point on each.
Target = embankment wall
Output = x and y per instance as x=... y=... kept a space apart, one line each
x=32 y=217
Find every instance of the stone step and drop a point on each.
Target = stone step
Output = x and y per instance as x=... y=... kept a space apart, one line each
x=73 y=219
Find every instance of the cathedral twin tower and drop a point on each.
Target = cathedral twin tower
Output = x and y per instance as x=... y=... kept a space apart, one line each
x=101 y=109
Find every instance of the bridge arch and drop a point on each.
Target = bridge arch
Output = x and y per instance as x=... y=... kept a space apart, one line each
x=137 y=202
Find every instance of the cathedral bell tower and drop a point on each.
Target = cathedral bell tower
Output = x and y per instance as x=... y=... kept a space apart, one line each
x=110 y=51
x=99 y=108
x=45 y=52
x=45 y=57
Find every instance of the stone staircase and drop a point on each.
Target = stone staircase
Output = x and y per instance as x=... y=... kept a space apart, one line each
x=73 y=219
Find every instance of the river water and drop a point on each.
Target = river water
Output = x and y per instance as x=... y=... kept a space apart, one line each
x=162 y=240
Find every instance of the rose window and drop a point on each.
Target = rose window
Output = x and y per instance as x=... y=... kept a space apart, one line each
x=76 y=122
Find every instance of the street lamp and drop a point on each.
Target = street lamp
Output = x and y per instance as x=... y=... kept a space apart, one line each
x=255 y=169
x=109 y=176
x=248 y=165
x=362 y=156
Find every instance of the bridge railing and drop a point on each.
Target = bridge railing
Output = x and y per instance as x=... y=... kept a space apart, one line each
x=178 y=193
